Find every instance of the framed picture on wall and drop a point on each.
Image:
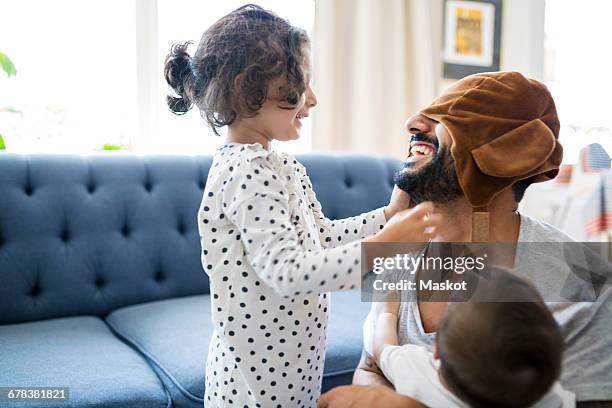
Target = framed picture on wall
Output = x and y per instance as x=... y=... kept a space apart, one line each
x=472 y=37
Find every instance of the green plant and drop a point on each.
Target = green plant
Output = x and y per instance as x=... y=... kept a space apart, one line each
x=8 y=67
x=109 y=146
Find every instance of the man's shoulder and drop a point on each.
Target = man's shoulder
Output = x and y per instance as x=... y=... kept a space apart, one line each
x=533 y=230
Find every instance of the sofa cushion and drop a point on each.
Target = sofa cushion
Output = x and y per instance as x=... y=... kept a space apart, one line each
x=80 y=353
x=174 y=335
x=344 y=338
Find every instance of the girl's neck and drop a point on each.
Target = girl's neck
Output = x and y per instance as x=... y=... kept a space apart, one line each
x=241 y=132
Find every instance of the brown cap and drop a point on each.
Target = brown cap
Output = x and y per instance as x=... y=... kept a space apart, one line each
x=504 y=128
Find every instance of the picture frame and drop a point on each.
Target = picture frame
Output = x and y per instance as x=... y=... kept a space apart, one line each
x=472 y=37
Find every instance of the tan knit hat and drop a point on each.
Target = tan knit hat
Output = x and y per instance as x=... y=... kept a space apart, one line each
x=504 y=128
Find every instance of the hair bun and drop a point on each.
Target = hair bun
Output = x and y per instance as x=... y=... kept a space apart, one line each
x=179 y=76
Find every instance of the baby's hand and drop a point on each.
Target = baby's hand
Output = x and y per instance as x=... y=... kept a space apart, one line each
x=391 y=303
x=385 y=324
x=413 y=225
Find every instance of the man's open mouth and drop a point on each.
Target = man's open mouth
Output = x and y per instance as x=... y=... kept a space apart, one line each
x=420 y=149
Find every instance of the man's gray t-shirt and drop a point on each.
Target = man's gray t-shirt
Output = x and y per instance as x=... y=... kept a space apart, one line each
x=586 y=326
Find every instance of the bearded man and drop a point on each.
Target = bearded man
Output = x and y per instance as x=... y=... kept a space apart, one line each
x=473 y=152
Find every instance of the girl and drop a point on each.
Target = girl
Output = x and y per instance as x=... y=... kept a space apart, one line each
x=271 y=254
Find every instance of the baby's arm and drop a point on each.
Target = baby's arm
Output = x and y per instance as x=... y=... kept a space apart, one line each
x=385 y=329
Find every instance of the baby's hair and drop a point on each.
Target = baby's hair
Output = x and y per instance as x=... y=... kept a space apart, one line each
x=500 y=353
x=250 y=42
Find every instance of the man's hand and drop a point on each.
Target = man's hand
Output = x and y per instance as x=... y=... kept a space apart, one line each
x=368 y=373
x=360 y=396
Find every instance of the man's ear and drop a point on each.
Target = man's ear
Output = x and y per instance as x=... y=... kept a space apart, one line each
x=516 y=152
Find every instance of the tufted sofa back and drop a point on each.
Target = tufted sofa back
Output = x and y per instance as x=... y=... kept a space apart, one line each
x=87 y=235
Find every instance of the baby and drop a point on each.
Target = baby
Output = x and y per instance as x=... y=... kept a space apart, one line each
x=494 y=354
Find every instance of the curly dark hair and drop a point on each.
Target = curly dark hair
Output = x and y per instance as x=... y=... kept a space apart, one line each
x=249 y=42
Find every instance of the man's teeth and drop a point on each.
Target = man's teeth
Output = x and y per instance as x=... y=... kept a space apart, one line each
x=421 y=150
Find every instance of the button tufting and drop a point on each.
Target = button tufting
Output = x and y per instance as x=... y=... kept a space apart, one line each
x=65 y=235
x=148 y=186
x=35 y=291
x=181 y=228
x=159 y=276
x=202 y=184
x=28 y=189
x=125 y=230
x=348 y=183
x=91 y=188
x=99 y=281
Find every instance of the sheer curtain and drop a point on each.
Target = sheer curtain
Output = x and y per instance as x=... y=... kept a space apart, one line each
x=375 y=64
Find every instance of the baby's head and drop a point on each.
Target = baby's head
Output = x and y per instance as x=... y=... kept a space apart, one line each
x=500 y=353
x=251 y=67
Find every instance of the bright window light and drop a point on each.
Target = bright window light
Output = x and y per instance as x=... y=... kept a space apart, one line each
x=578 y=65
x=90 y=73
x=75 y=88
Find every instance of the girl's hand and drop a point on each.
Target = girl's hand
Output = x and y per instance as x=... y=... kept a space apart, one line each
x=400 y=200
x=413 y=225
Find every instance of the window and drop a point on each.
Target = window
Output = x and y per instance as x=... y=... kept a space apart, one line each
x=578 y=67
x=90 y=73
x=75 y=85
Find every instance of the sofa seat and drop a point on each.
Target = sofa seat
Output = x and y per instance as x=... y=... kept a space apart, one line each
x=80 y=353
x=173 y=335
x=344 y=338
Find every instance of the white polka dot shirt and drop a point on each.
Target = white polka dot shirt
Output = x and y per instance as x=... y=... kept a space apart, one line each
x=271 y=257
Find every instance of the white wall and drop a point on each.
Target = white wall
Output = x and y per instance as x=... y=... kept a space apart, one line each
x=522 y=43
x=522 y=40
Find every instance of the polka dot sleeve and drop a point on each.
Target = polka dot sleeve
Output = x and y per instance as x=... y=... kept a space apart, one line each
x=346 y=230
x=256 y=202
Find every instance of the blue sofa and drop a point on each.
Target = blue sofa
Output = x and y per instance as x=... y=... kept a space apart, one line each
x=101 y=286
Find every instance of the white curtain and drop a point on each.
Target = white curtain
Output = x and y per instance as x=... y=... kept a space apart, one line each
x=376 y=62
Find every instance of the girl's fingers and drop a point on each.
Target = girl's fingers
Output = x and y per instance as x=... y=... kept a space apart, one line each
x=423 y=209
x=432 y=220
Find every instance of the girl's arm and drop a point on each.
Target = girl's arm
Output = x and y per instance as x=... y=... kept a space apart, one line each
x=256 y=202
x=338 y=232
x=364 y=225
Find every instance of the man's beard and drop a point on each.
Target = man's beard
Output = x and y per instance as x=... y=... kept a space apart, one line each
x=436 y=181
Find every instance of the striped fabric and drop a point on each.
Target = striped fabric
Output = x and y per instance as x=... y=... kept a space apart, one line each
x=598 y=209
x=594 y=158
